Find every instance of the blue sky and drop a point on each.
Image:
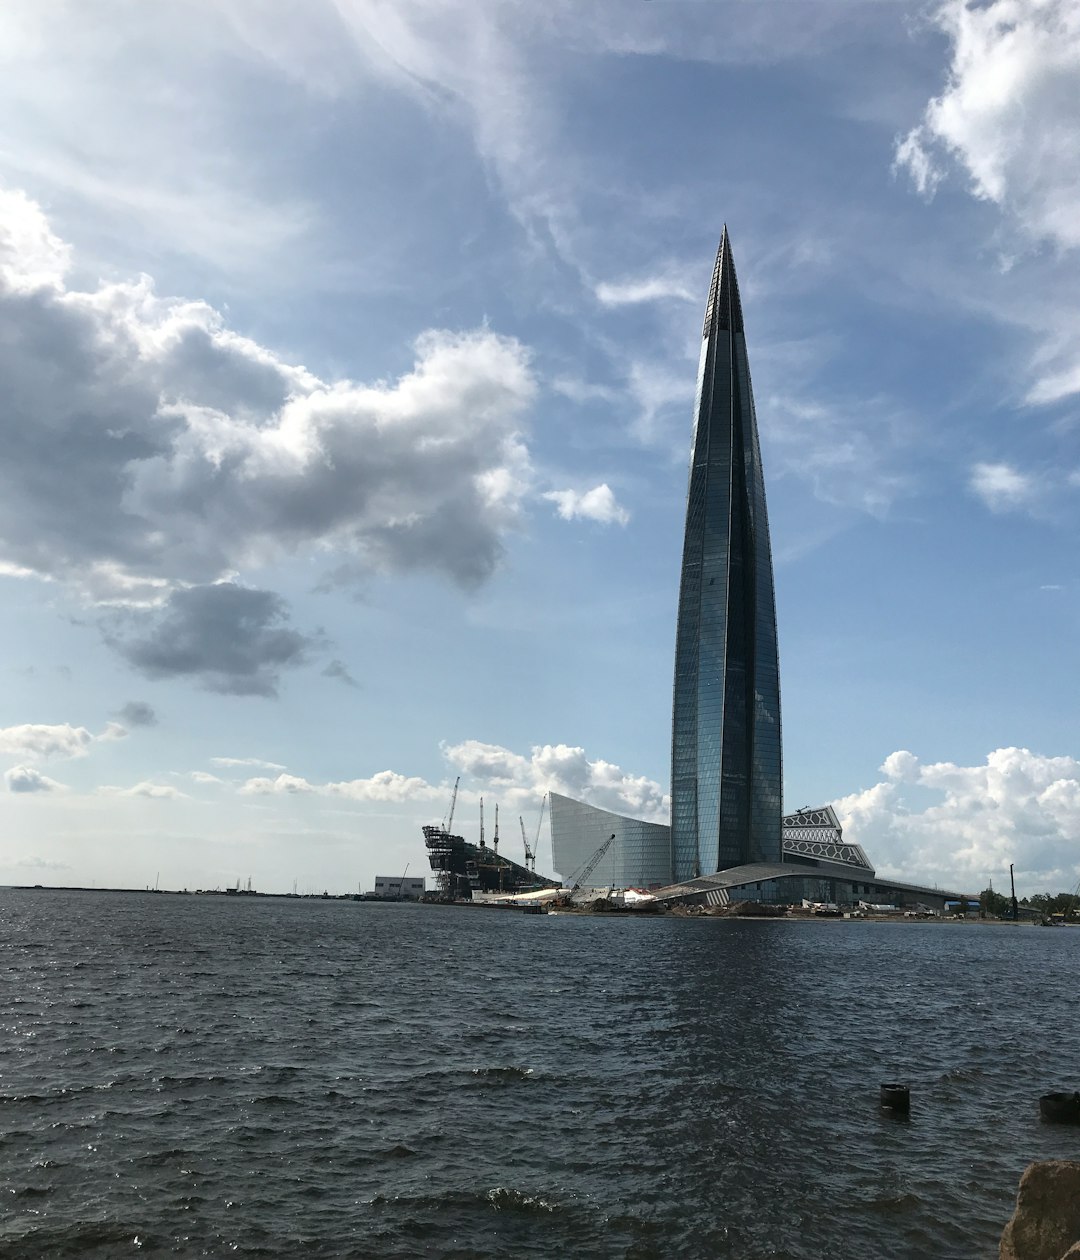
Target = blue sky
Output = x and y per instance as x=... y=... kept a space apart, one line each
x=347 y=358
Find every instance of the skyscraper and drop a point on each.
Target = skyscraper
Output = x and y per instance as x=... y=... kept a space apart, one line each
x=725 y=752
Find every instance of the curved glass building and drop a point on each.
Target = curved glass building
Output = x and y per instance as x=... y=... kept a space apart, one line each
x=639 y=858
x=725 y=753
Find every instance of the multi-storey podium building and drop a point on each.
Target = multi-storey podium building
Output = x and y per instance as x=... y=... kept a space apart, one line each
x=727 y=837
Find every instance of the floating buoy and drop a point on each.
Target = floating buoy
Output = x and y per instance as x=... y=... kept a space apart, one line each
x=896 y=1097
x=1060 y=1108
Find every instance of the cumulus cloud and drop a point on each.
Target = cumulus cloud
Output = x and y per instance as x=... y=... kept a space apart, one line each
x=289 y=784
x=150 y=447
x=900 y=765
x=230 y=638
x=518 y=781
x=138 y=713
x=1009 y=114
x=39 y=741
x=387 y=785
x=1001 y=487
x=32 y=257
x=560 y=768
x=1008 y=121
x=597 y=504
x=1019 y=807
x=27 y=779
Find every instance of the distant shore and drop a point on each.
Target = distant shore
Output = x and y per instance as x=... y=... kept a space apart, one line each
x=678 y=912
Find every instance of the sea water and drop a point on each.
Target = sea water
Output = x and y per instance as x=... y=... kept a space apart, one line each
x=212 y=1076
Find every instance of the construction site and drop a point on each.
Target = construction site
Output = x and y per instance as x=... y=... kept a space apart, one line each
x=480 y=874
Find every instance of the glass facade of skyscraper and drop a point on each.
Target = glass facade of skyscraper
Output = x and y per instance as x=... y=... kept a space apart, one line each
x=726 y=764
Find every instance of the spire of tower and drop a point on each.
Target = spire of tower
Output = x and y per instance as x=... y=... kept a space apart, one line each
x=723 y=310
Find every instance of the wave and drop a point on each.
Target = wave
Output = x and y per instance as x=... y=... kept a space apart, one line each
x=502 y=1073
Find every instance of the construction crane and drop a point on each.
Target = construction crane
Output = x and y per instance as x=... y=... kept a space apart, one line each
x=453 y=802
x=530 y=856
x=592 y=864
x=539 y=828
x=530 y=853
x=495 y=841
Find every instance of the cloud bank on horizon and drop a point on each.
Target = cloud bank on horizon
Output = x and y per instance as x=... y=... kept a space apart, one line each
x=396 y=477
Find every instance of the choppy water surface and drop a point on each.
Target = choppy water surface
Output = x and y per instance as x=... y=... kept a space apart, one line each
x=201 y=1076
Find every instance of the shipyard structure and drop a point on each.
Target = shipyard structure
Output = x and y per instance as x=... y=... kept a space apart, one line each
x=463 y=869
x=728 y=838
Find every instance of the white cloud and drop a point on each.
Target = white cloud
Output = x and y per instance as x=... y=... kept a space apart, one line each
x=40 y=864
x=31 y=256
x=1002 y=487
x=900 y=766
x=1008 y=119
x=655 y=390
x=245 y=761
x=284 y=783
x=1018 y=807
x=1010 y=112
x=27 y=779
x=597 y=504
x=494 y=66
x=40 y=741
x=152 y=791
x=199 y=452
x=856 y=457
x=650 y=289
x=386 y=785
x=558 y=768
x=518 y=781
x=158 y=177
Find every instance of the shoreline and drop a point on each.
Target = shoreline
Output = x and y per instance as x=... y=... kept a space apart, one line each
x=676 y=912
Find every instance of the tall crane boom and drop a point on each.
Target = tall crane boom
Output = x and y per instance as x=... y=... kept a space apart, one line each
x=530 y=856
x=453 y=803
x=592 y=863
x=539 y=828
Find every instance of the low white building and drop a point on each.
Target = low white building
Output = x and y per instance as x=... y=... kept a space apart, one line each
x=409 y=887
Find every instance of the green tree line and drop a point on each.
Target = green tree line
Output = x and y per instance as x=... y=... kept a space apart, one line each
x=998 y=905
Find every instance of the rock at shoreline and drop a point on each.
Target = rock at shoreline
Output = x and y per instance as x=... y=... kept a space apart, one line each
x=1046 y=1223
